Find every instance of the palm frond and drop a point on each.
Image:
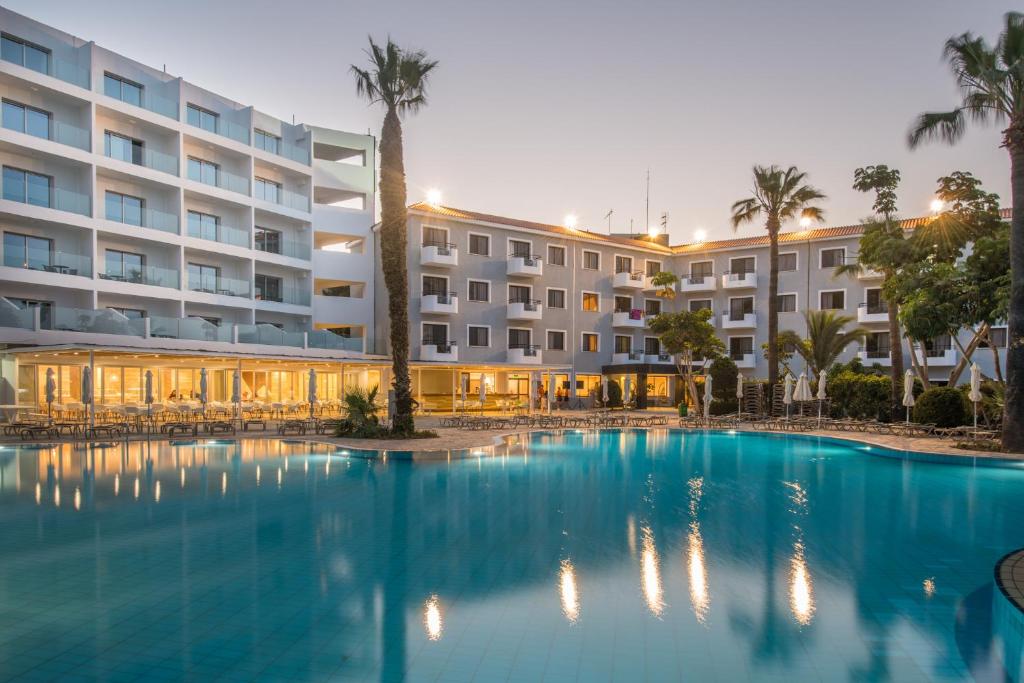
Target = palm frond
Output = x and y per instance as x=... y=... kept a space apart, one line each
x=945 y=126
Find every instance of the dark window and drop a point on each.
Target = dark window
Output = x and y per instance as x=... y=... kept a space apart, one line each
x=202 y=171
x=787 y=262
x=480 y=245
x=26 y=54
x=437 y=286
x=998 y=337
x=519 y=248
x=787 y=303
x=556 y=340
x=623 y=304
x=479 y=336
x=479 y=290
x=266 y=141
x=25 y=119
x=518 y=338
x=201 y=118
x=123 y=148
x=623 y=264
x=652 y=346
x=652 y=268
x=701 y=270
x=700 y=304
x=741 y=266
x=832 y=301
x=26 y=251
x=556 y=298
x=27 y=187
x=877 y=345
x=435 y=334
x=435 y=237
x=519 y=294
x=267 y=190
x=268 y=240
x=591 y=260
x=830 y=258
x=556 y=255
x=203 y=278
x=876 y=303
x=268 y=288
x=589 y=342
x=740 y=346
x=123 y=208
x=124 y=266
x=623 y=344
x=652 y=306
x=738 y=308
x=122 y=89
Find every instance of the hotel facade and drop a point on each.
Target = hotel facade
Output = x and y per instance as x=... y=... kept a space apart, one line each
x=152 y=225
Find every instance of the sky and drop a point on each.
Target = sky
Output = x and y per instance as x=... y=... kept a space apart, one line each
x=542 y=108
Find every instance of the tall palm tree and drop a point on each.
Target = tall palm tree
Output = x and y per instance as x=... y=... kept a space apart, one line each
x=779 y=195
x=991 y=80
x=827 y=338
x=396 y=79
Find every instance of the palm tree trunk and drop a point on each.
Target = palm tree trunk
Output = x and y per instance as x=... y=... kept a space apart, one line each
x=773 y=301
x=995 y=356
x=1013 y=411
x=393 y=237
x=895 y=357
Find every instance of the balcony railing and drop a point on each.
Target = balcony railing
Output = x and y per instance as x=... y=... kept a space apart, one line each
x=196 y=329
x=224 y=234
x=57 y=198
x=444 y=298
x=528 y=350
x=291 y=248
x=147 y=275
x=325 y=339
x=875 y=309
x=59 y=262
x=443 y=248
x=528 y=304
x=295 y=153
x=63 y=70
x=529 y=260
x=224 y=286
x=444 y=347
x=151 y=158
x=286 y=294
x=269 y=335
x=224 y=180
x=148 y=218
x=103 y=321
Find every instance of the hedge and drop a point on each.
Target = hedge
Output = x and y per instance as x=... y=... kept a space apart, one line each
x=942 y=407
x=859 y=396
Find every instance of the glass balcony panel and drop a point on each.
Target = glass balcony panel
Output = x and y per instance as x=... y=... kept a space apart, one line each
x=12 y=316
x=104 y=321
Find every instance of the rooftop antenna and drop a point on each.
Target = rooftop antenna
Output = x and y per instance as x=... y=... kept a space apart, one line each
x=608 y=217
x=664 y=222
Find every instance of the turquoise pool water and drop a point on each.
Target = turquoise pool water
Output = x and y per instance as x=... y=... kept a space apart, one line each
x=613 y=556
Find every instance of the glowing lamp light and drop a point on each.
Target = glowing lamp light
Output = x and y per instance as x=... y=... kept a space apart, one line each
x=571 y=221
x=434 y=197
x=805 y=222
x=937 y=205
x=432 y=619
x=700 y=235
x=653 y=231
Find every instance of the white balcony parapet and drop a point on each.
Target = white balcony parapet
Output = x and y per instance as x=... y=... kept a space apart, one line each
x=658 y=358
x=739 y=280
x=869 y=274
x=434 y=352
x=524 y=355
x=628 y=357
x=743 y=360
x=633 y=318
x=878 y=357
x=700 y=283
x=524 y=266
x=733 y=322
x=944 y=357
x=629 y=280
x=445 y=304
x=439 y=255
x=526 y=309
x=872 y=314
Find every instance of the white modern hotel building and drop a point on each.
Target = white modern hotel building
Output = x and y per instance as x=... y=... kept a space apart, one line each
x=149 y=224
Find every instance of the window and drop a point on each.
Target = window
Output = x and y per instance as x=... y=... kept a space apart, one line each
x=787 y=303
x=742 y=266
x=740 y=347
x=26 y=119
x=479 y=245
x=590 y=302
x=652 y=268
x=26 y=54
x=124 y=208
x=519 y=294
x=877 y=345
x=130 y=313
x=203 y=225
x=201 y=118
x=123 y=148
x=267 y=142
x=556 y=255
x=479 y=336
x=267 y=190
x=434 y=237
x=701 y=270
x=122 y=89
x=590 y=342
x=997 y=335
x=203 y=278
x=591 y=260
x=556 y=298
x=26 y=251
x=202 y=171
x=268 y=240
x=268 y=288
x=556 y=340
x=623 y=344
x=623 y=264
x=435 y=334
x=787 y=262
x=876 y=303
x=344 y=291
x=434 y=286
x=27 y=187
x=652 y=346
x=700 y=305
x=479 y=290
x=831 y=301
x=520 y=248
x=45 y=310
x=519 y=338
x=831 y=258
x=124 y=266
x=652 y=307
x=623 y=304
x=741 y=307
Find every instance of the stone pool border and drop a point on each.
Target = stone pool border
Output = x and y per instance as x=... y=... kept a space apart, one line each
x=1008 y=611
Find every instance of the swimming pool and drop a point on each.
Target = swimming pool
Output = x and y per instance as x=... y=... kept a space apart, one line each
x=606 y=556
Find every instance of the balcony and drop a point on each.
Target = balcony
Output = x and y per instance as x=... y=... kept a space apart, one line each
x=875 y=357
x=868 y=313
x=658 y=358
x=629 y=280
x=442 y=304
x=633 y=319
x=698 y=283
x=739 y=280
x=144 y=218
x=524 y=355
x=743 y=360
x=61 y=69
x=269 y=335
x=443 y=352
x=325 y=339
x=223 y=286
x=218 y=232
x=941 y=357
x=286 y=293
x=735 y=321
x=150 y=158
x=524 y=266
x=440 y=255
x=649 y=285
x=58 y=262
x=527 y=309
x=153 y=276
x=196 y=329
x=104 y=321
x=225 y=180
x=628 y=357
x=48 y=198
x=57 y=131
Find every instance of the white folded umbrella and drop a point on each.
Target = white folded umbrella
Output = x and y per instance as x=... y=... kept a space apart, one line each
x=908 y=391
x=975 y=394
x=707 y=397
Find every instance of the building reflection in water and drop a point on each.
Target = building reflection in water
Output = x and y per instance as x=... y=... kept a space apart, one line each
x=700 y=596
x=650 y=570
x=432 y=619
x=78 y=498
x=568 y=591
x=801 y=586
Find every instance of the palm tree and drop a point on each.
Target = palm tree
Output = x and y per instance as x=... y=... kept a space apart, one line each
x=396 y=79
x=827 y=338
x=991 y=80
x=779 y=195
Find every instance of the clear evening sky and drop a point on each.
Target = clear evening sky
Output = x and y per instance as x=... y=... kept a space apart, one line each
x=540 y=108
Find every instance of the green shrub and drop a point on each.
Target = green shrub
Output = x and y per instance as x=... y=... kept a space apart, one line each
x=614 y=394
x=941 y=406
x=859 y=396
x=723 y=380
x=723 y=406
